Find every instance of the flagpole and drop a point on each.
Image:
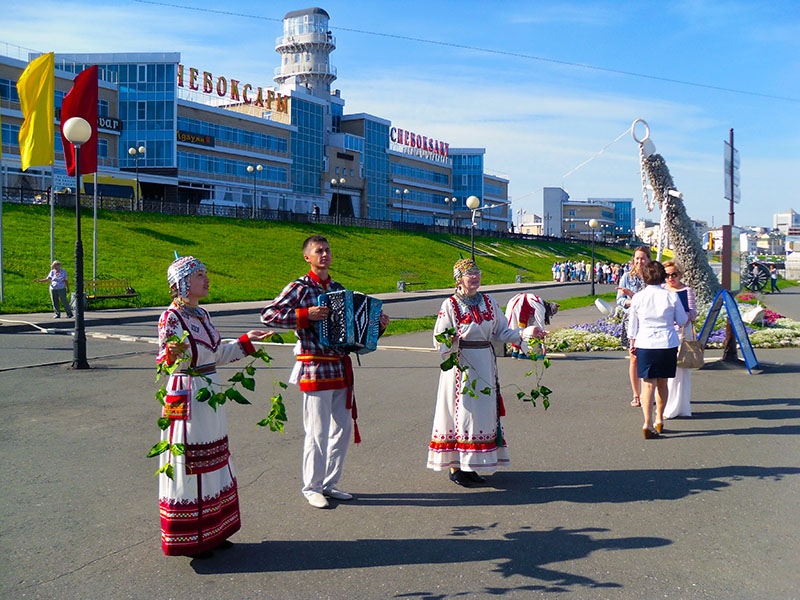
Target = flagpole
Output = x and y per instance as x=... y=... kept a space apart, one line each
x=52 y=213
x=2 y=270
x=94 y=259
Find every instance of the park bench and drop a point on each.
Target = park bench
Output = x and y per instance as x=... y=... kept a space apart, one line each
x=103 y=289
x=407 y=278
x=523 y=275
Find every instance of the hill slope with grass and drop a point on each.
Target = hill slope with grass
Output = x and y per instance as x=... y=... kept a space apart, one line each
x=250 y=260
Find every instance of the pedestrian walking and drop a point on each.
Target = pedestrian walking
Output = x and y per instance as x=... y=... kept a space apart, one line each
x=680 y=386
x=773 y=279
x=59 y=289
x=654 y=313
x=631 y=283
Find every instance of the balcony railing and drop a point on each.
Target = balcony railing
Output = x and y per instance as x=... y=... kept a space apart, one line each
x=315 y=37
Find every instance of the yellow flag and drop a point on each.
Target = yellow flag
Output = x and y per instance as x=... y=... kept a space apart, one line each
x=36 y=97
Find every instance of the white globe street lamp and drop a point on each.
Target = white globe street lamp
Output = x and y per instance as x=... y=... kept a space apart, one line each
x=593 y=226
x=78 y=131
x=254 y=171
x=473 y=202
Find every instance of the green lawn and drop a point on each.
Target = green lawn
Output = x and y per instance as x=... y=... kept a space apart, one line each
x=249 y=260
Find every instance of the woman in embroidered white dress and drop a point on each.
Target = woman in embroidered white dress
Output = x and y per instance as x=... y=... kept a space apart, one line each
x=199 y=505
x=468 y=433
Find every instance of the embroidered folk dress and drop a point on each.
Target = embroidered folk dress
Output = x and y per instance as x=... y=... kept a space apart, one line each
x=200 y=505
x=468 y=432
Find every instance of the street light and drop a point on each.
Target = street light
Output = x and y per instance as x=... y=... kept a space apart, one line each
x=134 y=153
x=520 y=216
x=402 y=205
x=593 y=224
x=473 y=203
x=78 y=131
x=337 y=183
x=254 y=171
x=452 y=203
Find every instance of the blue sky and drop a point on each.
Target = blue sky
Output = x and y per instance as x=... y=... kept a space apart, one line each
x=537 y=116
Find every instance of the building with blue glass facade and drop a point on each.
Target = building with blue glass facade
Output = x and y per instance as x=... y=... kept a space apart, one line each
x=210 y=138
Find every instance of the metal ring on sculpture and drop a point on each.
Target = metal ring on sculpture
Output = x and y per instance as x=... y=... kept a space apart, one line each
x=646 y=131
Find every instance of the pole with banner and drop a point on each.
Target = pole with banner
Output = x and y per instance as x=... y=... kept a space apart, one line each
x=52 y=213
x=94 y=203
x=2 y=270
x=731 y=162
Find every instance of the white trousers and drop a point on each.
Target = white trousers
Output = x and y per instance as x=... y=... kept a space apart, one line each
x=328 y=425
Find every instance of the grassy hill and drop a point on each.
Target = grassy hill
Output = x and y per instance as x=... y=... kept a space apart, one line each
x=249 y=260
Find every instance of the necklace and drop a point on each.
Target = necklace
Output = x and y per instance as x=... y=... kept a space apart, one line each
x=468 y=300
x=194 y=311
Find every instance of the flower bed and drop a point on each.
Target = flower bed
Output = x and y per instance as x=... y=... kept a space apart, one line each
x=605 y=334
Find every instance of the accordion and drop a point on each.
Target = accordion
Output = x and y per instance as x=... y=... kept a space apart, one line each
x=353 y=323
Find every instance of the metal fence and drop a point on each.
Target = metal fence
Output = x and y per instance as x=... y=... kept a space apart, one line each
x=30 y=196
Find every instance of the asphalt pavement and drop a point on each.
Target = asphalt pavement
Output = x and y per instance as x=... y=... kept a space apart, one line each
x=588 y=508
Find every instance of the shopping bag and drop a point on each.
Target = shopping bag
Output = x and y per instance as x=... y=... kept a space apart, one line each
x=690 y=352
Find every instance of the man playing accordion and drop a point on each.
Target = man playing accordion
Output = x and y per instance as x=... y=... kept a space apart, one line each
x=324 y=374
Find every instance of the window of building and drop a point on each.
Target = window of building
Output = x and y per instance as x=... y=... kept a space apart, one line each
x=102 y=148
x=8 y=90
x=571 y=213
x=102 y=108
x=141 y=111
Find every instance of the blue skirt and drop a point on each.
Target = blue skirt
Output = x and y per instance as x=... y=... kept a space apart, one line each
x=656 y=363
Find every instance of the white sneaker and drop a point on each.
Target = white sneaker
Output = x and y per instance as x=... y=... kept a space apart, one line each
x=337 y=494
x=317 y=500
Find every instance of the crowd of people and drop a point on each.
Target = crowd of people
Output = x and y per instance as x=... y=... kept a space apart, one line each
x=580 y=271
x=198 y=496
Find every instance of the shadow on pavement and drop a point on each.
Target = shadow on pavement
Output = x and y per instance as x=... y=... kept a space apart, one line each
x=540 y=487
x=524 y=552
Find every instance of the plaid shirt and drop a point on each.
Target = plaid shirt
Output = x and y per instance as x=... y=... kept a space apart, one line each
x=322 y=368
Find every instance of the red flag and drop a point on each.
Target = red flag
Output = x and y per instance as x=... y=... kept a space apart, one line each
x=81 y=101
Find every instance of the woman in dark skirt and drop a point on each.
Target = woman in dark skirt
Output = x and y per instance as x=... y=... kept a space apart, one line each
x=654 y=312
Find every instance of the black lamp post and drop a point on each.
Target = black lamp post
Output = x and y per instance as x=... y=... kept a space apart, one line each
x=78 y=131
x=336 y=187
x=254 y=171
x=402 y=196
x=473 y=203
x=134 y=153
x=592 y=224
x=452 y=204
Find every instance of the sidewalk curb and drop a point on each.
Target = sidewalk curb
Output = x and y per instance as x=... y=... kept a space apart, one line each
x=139 y=315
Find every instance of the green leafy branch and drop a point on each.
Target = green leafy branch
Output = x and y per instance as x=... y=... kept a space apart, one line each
x=540 y=364
x=275 y=419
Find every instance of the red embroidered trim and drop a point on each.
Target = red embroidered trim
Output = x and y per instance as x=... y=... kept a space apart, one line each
x=203 y=458
x=474 y=314
x=191 y=527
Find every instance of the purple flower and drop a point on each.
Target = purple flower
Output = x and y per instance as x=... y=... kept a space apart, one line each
x=601 y=326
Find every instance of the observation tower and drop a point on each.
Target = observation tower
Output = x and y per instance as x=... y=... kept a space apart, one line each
x=305 y=49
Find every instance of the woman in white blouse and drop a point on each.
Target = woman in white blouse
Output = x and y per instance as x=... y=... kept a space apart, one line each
x=654 y=312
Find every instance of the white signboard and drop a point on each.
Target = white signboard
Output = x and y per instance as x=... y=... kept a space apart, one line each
x=726 y=162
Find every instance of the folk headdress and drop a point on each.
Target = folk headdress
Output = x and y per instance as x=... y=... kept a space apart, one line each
x=179 y=272
x=461 y=267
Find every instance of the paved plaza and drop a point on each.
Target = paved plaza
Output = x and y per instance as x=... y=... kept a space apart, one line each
x=588 y=508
